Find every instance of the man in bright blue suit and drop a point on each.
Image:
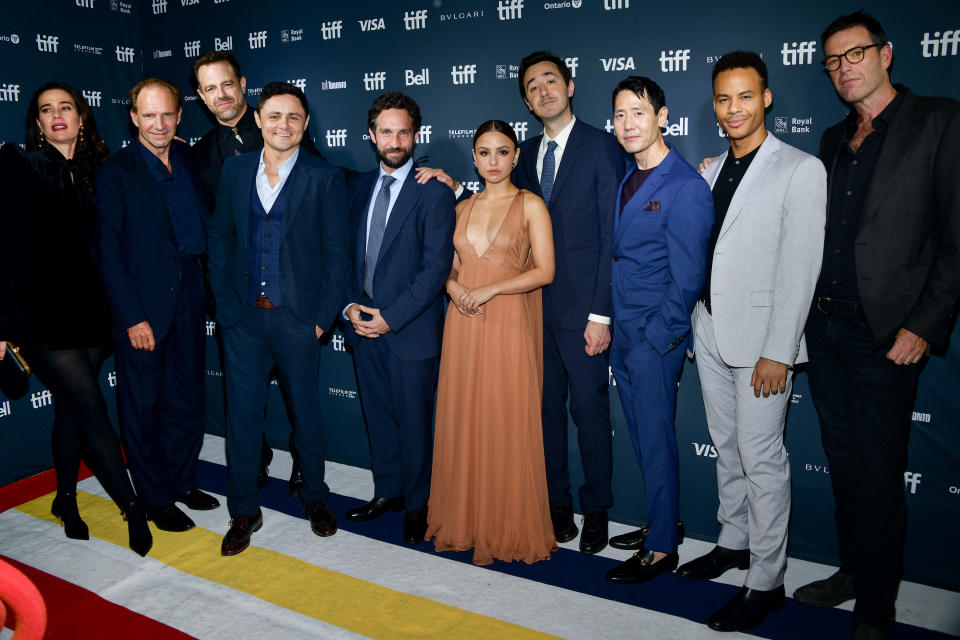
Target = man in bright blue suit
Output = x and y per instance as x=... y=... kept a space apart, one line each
x=575 y=168
x=278 y=263
x=664 y=215
x=402 y=256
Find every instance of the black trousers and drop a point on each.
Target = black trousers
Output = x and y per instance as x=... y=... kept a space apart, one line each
x=865 y=405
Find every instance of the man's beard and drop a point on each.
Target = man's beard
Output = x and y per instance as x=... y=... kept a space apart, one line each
x=399 y=162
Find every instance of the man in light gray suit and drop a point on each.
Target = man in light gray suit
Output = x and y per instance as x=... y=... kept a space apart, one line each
x=765 y=255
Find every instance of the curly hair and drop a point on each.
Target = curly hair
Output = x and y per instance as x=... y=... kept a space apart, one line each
x=393 y=100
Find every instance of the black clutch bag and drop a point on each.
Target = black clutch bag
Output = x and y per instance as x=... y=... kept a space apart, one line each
x=14 y=373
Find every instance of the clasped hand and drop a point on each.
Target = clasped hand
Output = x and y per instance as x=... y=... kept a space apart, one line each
x=371 y=328
x=470 y=301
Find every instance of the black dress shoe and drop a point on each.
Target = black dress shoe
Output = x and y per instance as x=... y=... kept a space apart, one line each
x=828 y=592
x=170 y=518
x=640 y=567
x=266 y=457
x=415 y=526
x=563 y=526
x=746 y=610
x=263 y=477
x=594 y=536
x=715 y=563
x=374 y=509
x=198 y=500
x=238 y=536
x=633 y=540
x=64 y=509
x=296 y=481
x=322 y=521
x=141 y=540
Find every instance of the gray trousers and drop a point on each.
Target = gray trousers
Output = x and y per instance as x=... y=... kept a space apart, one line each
x=753 y=472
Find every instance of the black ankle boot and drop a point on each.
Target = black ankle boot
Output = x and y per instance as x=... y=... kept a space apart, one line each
x=64 y=509
x=141 y=540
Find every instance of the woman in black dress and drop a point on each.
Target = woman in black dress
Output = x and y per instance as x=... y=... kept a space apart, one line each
x=52 y=301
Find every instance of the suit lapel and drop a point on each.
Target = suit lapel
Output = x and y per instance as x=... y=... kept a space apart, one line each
x=751 y=178
x=248 y=188
x=402 y=208
x=149 y=189
x=299 y=179
x=362 y=195
x=570 y=154
x=528 y=164
x=640 y=198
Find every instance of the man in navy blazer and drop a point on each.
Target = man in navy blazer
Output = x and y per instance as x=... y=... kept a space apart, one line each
x=402 y=255
x=150 y=236
x=278 y=262
x=575 y=168
x=663 y=222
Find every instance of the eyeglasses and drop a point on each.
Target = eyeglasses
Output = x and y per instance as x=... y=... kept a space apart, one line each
x=853 y=56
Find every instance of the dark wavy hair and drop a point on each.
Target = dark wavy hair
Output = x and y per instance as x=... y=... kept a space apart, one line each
x=393 y=100
x=91 y=151
x=500 y=127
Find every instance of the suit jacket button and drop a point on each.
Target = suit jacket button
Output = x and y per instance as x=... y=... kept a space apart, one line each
x=616 y=258
x=172 y=287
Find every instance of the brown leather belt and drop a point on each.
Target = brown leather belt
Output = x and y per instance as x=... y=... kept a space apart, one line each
x=263 y=302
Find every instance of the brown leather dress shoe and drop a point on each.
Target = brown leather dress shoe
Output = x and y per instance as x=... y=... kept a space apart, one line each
x=238 y=536
x=322 y=521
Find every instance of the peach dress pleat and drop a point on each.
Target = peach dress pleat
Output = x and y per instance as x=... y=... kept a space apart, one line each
x=489 y=484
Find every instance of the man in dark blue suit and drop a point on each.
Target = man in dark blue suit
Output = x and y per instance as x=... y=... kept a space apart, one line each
x=402 y=255
x=663 y=222
x=278 y=261
x=575 y=168
x=150 y=236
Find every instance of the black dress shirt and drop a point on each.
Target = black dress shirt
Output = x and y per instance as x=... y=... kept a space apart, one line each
x=181 y=200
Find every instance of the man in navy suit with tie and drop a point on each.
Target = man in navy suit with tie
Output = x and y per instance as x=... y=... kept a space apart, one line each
x=278 y=262
x=402 y=255
x=664 y=217
x=576 y=169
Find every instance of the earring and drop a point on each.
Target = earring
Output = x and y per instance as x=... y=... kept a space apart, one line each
x=42 y=139
x=80 y=137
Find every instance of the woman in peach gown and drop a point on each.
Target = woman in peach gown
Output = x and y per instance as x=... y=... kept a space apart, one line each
x=489 y=486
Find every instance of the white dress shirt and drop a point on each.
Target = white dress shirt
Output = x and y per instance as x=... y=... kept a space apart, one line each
x=266 y=193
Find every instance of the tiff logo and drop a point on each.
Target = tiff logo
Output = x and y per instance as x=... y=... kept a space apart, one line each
x=211 y=327
x=464 y=73
x=159 y=6
x=41 y=399
x=47 y=44
x=5 y=409
x=471 y=185
x=9 y=92
x=86 y=4
x=520 y=128
x=223 y=45
x=572 y=64
x=798 y=54
x=949 y=38
x=300 y=83
x=413 y=20
x=191 y=49
x=124 y=54
x=423 y=136
x=112 y=379
x=331 y=30
x=93 y=98
x=374 y=81
x=609 y=126
x=674 y=60
x=412 y=77
x=610 y=5
x=337 y=342
x=911 y=479
x=509 y=9
x=257 y=39
x=336 y=137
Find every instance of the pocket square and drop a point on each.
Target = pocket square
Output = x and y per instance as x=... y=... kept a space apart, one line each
x=652 y=205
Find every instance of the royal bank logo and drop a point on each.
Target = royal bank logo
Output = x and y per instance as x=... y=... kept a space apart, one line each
x=679 y=128
x=162 y=53
x=939 y=44
x=572 y=64
x=5 y=409
x=674 y=60
x=802 y=53
x=223 y=44
x=93 y=98
x=292 y=35
x=617 y=64
x=413 y=20
x=191 y=49
x=416 y=77
x=613 y=5
x=331 y=85
x=520 y=129
x=41 y=399
x=300 y=83
x=423 y=135
x=331 y=30
x=12 y=38
x=124 y=54
x=158 y=6
x=790 y=124
x=372 y=24
x=123 y=7
x=509 y=9
x=210 y=324
x=47 y=44
x=87 y=49
x=85 y=4
x=507 y=71
x=464 y=73
x=911 y=481
x=704 y=449
x=257 y=39
x=374 y=80
x=336 y=137
x=461 y=15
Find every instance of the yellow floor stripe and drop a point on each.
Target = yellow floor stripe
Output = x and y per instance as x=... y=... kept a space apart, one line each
x=344 y=601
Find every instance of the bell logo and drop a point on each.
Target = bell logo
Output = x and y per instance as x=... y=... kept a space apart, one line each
x=413 y=20
x=572 y=64
x=299 y=83
x=47 y=44
x=617 y=64
x=93 y=98
x=257 y=39
x=336 y=137
x=679 y=128
x=374 y=24
x=948 y=39
x=331 y=30
x=5 y=409
x=410 y=77
x=674 y=60
x=374 y=81
x=423 y=136
x=611 y=5
x=464 y=73
x=191 y=49
x=911 y=480
x=520 y=129
x=798 y=54
x=9 y=92
x=159 y=6
x=124 y=54
x=225 y=44
x=509 y=9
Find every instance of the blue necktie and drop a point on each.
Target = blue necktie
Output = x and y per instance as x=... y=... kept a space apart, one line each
x=378 y=222
x=549 y=168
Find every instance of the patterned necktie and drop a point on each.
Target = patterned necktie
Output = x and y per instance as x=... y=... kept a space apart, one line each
x=378 y=222
x=549 y=168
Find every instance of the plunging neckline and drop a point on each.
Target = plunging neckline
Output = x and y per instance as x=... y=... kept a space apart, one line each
x=495 y=235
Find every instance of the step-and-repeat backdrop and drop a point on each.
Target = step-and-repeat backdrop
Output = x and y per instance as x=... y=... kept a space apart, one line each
x=460 y=60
